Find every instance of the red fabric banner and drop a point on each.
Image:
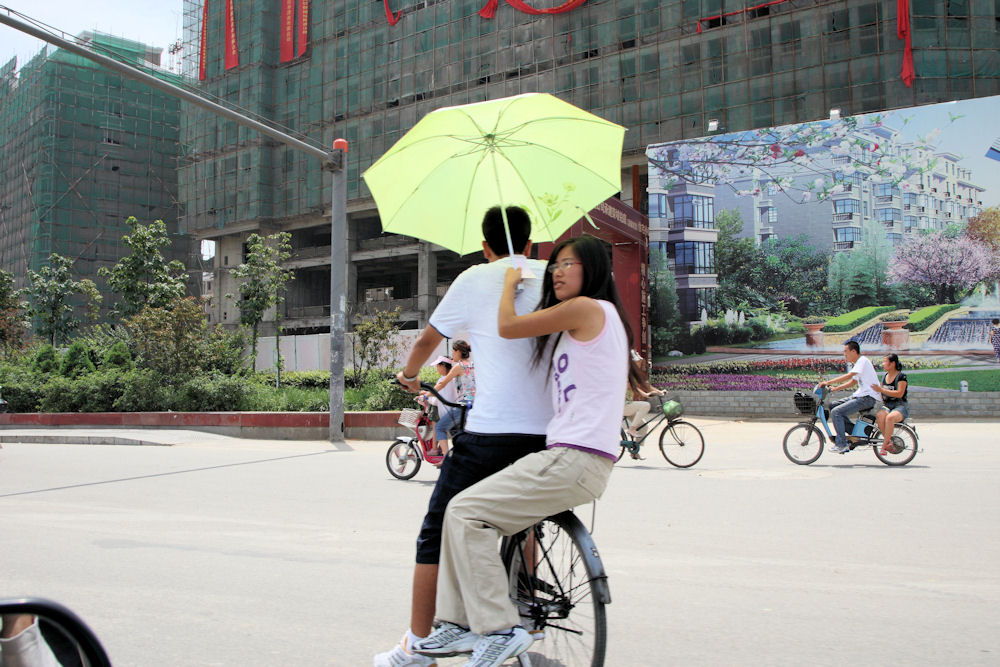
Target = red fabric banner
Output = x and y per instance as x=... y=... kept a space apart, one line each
x=303 y=28
x=738 y=11
x=286 y=48
x=906 y=73
x=202 y=51
x=232 y=53
x=489 y=10
x=522 y=6
x=393 y=19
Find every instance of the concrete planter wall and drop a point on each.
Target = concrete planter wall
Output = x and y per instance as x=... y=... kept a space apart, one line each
x=778 y=404
x=774 y=405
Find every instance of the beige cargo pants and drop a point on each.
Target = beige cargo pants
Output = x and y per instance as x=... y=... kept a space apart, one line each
x=472 y=589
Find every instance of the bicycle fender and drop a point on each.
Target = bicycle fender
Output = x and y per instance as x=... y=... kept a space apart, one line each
x=591 y=557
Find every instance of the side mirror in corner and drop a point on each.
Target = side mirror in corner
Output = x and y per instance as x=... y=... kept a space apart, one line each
x=35 y=632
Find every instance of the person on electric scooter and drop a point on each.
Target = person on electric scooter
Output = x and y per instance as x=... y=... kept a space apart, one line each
x=861 y=373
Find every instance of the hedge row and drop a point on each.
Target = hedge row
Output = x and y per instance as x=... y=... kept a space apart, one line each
x=848 y=321
x=923 y=318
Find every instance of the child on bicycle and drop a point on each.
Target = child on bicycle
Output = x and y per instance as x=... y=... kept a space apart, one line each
x=589 y=368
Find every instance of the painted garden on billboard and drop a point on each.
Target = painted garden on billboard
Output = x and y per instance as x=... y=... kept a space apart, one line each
x=880 y=228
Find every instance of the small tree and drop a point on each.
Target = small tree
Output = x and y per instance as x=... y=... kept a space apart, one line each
x=50 y=290
x=76 y=361
x=170 y=338
x=145 y=277
x=664 y=313
x=376 y=340
x=262 y=283
x=944 y=262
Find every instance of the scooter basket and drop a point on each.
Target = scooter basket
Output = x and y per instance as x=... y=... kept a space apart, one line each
x=805 y=403
x=408 y=417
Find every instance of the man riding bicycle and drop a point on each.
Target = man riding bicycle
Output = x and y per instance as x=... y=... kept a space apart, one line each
x=861 y=373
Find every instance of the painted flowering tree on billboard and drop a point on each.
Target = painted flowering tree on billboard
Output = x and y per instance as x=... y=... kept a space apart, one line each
x=783 y=156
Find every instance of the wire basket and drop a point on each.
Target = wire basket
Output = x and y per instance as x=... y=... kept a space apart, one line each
x=805 y=403
x=409 y=417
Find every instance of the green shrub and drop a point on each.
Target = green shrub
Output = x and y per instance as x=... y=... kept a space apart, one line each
x=117 y=356
x=894 y=316
x=145 y=391
x=302 y=379
x=923 y=318
x=385 y=395
x=814 y=319
x=848 y=321
x=46 y=360
x=90 y=392
x=214 y=392
x=21 y=389
x=76 y=361
x=796 y=327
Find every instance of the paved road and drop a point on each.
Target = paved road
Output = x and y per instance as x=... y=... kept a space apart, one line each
x=224 y=552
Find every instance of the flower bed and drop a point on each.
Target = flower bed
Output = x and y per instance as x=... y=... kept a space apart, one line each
x=732 y=382
x=818 y=364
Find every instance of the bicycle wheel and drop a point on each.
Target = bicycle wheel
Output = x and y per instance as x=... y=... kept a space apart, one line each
x=403 y=460
x=903 y=447
x=558 y=584
x=682 y=444
x=803 y=444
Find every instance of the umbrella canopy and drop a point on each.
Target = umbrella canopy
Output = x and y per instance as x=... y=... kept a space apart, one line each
x=534 y=151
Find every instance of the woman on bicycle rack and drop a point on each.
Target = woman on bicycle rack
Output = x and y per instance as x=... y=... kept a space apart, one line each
x=894 y=406
x=589 y=368
x=636 y=405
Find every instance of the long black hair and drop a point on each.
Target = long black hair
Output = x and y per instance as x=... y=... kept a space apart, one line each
x=598 y=283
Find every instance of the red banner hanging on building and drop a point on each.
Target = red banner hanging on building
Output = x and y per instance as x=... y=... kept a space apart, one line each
x=907 y=73
x=287 y=41
x=303 y=28
x=489 y=10
x=204 y=43
x=232 y=53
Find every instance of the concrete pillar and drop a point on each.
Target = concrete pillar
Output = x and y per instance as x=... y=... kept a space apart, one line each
x=426 y=282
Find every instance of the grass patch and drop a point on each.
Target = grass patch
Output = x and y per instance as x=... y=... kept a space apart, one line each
x=978 y=380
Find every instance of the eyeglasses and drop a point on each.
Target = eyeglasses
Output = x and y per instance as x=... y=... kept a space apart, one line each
x=564 y=265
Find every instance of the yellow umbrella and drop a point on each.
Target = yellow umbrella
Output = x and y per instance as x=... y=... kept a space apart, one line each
x=534 y=151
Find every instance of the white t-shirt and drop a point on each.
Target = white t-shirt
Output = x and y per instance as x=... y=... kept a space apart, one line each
x=865 y=375
x=588 y=388
x=511 y=395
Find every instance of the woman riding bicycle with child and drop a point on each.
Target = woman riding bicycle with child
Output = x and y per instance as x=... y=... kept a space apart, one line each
x=894 y=406
x=464 y=374
x=589 y=368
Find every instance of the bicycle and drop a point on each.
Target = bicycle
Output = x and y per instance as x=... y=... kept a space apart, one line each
x=407 y=453
x=802 y=448
x=558 y=583
x=681 y=443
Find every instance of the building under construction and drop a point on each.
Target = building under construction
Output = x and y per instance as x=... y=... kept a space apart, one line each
x=82 y=149
x=666 y=69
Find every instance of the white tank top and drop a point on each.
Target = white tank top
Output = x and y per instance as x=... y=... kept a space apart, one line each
x=588 y=381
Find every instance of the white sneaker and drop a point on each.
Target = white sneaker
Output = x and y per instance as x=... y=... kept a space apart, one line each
x=448 y=640
x=400 y=657
x=494 y=649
